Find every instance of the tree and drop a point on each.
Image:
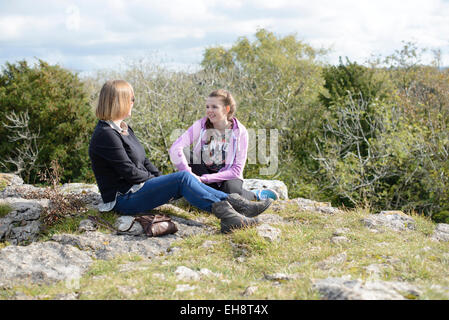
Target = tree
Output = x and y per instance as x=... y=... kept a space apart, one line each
x=59 y=112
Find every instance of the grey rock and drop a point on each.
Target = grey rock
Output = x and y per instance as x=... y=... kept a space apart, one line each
x=316 y=206
x=186 y=274
x=41 y=263
x=18 y=191
x=184 y=287
x=206 y=273
x=307 y=205
x=395 y=221
x=249 y=291
x=375 y=270
x=332 y=261
x=79 y=188
x=441 y=232
x=339 y=239
x=268 y=232
x=67 y=296
x=5 y=228
x=276 y=185
x=89 y=192
x=11 y=179
x=106 y=246
x=271 y=218
x=127 y=291
x=209 y=244
x=280 y=277
x=124 y=222
x=25 y=210
x=344 y=289
x=87 y=225
x=341 y=232
x=21 y=225
x=24 y=234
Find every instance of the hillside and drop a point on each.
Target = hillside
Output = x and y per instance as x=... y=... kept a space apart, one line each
x=302 y=249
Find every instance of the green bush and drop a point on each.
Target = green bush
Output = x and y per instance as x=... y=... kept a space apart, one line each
x=53 y=106
x=441 y=217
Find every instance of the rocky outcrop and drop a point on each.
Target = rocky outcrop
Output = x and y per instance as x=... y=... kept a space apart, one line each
x=307 y=205
x=41 y=262
x=276 y=185
x=394 y=220
x=441 y=232
x=345 y=289
x=22 y=224
x=105 y=246
x=9 y=179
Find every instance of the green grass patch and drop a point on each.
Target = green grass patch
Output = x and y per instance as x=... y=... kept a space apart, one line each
x=5 y=209
x=70 y=224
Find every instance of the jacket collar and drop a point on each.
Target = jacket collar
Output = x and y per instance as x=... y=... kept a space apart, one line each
x=235 y=125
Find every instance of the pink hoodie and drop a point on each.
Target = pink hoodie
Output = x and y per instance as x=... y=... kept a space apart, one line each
x=235 y=156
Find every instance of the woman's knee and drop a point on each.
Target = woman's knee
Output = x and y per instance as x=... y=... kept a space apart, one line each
x=232 y=186
x=183 y=175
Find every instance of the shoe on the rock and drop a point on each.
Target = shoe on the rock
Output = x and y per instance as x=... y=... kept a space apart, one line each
x=262 y=194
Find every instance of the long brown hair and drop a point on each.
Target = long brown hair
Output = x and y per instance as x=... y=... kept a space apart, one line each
x=227 y=99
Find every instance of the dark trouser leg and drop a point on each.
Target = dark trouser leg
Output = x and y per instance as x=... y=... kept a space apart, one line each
x=236 y=186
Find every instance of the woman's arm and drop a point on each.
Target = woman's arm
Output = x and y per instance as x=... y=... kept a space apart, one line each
x=109 y=147
x=152 y=168
x=186 y=139
x=236 y=170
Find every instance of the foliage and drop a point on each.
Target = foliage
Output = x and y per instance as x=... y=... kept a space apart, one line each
x=389 y=153
x=351 y=79
x=59 y=114
x=4 y=210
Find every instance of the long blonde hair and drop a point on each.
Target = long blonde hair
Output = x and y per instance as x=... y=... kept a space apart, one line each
x=115 y=100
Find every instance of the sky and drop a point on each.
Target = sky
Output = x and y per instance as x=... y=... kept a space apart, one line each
x=89 y=35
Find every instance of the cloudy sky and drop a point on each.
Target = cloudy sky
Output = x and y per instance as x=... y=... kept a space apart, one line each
x=88 y=35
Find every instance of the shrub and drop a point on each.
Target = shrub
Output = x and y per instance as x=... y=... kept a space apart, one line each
x=56 y=111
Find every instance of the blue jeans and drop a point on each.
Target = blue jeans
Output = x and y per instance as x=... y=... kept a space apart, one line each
x=158 y=191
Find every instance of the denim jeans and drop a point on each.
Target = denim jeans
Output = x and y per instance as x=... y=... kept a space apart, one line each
x=158 y=191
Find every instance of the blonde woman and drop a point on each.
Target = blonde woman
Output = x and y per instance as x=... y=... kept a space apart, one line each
x=130 y=184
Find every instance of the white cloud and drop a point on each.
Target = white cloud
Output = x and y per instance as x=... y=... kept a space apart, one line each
x=90 y=34
x=73 y=18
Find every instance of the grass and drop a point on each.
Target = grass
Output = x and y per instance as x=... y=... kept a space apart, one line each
x=243 y=259
x=70 y=224
x=4 y=210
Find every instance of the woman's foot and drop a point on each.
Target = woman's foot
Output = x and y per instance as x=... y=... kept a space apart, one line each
x=231 y=219
x=262 y=194
x=246 y=207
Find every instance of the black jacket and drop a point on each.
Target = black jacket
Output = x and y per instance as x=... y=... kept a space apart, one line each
x=118 y=161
